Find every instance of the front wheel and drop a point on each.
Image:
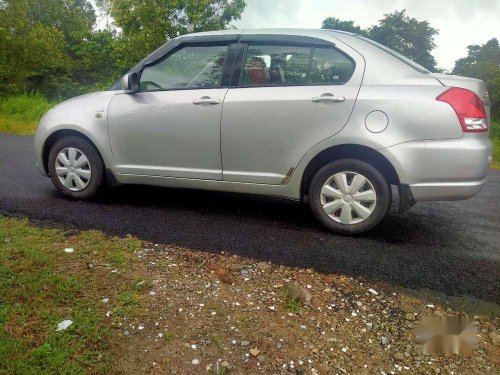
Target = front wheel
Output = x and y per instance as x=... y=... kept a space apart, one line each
x=75 y=167
x=349 y=196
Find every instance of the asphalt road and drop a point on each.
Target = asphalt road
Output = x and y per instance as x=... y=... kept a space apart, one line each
x=449 y=247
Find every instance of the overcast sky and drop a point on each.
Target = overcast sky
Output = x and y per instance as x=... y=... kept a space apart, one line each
x=460 y=22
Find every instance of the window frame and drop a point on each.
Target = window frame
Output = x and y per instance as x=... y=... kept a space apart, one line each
x=224 y=81
x=240 y=60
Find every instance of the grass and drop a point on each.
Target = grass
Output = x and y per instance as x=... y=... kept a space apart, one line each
x=217 y=340
x=219 y=371
x=17 y=126
x=168 y=336
x=291 y=304
x=21 y=114
x=496 y=153
x=41 y=285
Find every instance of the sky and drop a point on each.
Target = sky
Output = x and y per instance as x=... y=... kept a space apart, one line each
x=460 y=22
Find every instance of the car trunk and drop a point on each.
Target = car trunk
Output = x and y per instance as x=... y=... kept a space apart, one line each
x=476 y=85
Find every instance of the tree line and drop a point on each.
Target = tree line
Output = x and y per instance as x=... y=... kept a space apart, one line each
x=55 y=47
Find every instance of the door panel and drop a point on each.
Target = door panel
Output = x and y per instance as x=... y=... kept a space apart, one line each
x=289 y=99
x=267 y=130
x=171 y=126
x=163 y=133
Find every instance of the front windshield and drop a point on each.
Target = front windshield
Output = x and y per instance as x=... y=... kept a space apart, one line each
x=397 y=55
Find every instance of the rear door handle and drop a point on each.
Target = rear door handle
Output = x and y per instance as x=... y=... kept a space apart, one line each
x=328 y=98
x=206 y=100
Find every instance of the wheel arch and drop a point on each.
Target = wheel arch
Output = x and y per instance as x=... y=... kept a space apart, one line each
x=348 y=151
x=57 y=135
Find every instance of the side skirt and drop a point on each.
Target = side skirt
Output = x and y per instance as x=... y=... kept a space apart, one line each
x=281 y=191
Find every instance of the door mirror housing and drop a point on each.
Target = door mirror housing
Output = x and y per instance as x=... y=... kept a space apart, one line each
x=130 y=82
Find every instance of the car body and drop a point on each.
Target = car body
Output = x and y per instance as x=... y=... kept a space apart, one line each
x=267 y=109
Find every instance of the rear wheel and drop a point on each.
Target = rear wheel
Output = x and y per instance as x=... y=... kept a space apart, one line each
x=349 y=196
x=75 y=167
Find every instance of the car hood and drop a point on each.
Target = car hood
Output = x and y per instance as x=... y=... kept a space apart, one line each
x=98 y=99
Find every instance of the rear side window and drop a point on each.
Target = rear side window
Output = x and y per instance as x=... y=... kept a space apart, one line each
x=189 y=67
x=275 y=65
x=329 y=66
x=282 y=65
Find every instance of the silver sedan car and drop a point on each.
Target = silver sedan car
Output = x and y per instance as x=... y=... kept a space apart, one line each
x=322 y=116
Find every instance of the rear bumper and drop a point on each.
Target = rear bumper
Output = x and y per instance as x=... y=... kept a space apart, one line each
x=444 y=191
x=450 y=169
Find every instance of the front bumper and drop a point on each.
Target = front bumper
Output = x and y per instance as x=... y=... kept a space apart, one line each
x=38 y=147
x=445 y=169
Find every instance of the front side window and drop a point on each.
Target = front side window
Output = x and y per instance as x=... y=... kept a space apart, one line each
x=190 y=67
x=268 y=65
x=329 y=66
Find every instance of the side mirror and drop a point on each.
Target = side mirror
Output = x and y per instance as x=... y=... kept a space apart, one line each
x=130 y=82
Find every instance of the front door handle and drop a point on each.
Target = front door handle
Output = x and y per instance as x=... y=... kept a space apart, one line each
x=206 y=100
x=328 y=98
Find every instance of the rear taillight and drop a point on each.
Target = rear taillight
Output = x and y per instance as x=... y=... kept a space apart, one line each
x=468 y=107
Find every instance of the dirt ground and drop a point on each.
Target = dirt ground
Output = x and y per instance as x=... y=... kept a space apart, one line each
x=219 y=314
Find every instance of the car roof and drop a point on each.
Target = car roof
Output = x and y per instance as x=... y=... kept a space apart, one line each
x=274 y=31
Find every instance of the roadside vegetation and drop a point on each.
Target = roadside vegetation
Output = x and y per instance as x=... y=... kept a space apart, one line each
x=20 y=114
x=41 y=285
x=495 y=137
x=496 y=152
x=138 y=307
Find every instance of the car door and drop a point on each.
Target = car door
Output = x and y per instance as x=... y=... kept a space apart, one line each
x=171 y=126
x=289 y=97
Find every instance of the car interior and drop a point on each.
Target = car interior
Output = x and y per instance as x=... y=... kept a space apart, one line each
x=290 y=68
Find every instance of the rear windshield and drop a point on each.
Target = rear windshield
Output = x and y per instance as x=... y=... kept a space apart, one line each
x=397 y=55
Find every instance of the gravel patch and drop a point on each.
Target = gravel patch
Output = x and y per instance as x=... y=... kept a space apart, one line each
x=219 y=314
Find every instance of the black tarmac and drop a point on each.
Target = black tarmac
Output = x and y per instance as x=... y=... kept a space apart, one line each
x=447 y=247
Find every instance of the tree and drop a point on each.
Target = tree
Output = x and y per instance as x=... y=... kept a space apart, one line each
x=333 y=23
x=409 y=36
x=94 y=52
x=67 y=16
x=483 y=62
x=51 y=46
x=34 y=55
x=148 y=24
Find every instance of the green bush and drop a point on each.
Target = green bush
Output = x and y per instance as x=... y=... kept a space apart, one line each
x=24 y=107
x=495 y=128
x=496 y=153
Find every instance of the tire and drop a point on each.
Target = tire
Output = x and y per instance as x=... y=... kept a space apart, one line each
x=81 y=188
x=345 y=213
